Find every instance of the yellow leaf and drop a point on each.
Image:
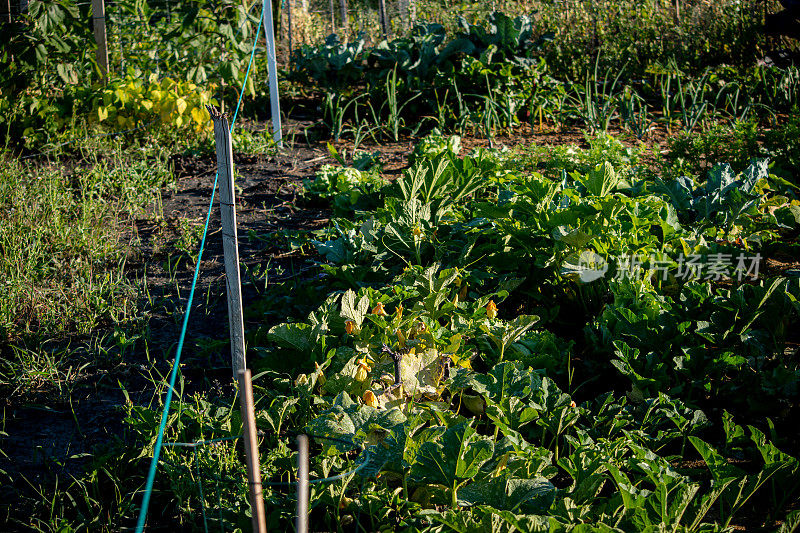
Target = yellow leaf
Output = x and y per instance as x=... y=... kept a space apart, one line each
x=180 y=105
x=179 y=121
x=102 y=113
x=199 y=115
x=147 y=104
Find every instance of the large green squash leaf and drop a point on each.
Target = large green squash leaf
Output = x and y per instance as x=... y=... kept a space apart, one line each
x=352 y=422
x=526 y=495
x=457 y=456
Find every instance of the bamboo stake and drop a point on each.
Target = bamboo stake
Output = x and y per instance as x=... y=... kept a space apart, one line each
x=301 y=525
x=99 y=23
x=230 y=245
x=7 y=4
x=333 y=16
x=249 y=430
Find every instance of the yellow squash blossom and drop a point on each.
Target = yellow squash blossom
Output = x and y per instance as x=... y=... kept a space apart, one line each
x=363 y=370
x=491 y=309
x=370 y=399
x=321 y=379
x=349 y=327
x=401 y=339
x=379 y=310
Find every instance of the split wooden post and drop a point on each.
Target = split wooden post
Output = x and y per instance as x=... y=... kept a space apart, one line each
x=301 y=525
x=249 y=430
x=384 y=19
x=99 y=23
x=333 y=16
x=272 y=69
x=230 y=244
x=7 y=5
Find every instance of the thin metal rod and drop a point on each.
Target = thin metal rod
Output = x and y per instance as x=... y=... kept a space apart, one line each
x=301 y=525
x=272 y=69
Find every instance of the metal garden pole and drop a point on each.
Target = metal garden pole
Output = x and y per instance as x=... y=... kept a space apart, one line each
x=273 y=73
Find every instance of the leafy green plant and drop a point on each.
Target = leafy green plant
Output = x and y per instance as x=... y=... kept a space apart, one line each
x=130 y=103
x=692 y=102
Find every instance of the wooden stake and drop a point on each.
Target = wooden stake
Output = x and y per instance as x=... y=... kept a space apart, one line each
x=249 y=430
x=333 y=16
x=230 y=245
x=289 y=26
x=99 y=23
x=384 y=21
x=7 y=5
x=301 y=525
x=345 y=16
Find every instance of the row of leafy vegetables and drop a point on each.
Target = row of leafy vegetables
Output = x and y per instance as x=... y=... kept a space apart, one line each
x=459 y=357
x=495 y=74
x=492 y=388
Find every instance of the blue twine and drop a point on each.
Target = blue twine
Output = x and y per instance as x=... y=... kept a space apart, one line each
x=175 y=365
x=252 y=54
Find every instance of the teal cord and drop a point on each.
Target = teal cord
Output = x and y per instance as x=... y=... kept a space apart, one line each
x=250 y=64
x=151 y=475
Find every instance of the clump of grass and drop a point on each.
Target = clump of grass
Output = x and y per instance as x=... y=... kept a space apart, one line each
x=62 y=251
